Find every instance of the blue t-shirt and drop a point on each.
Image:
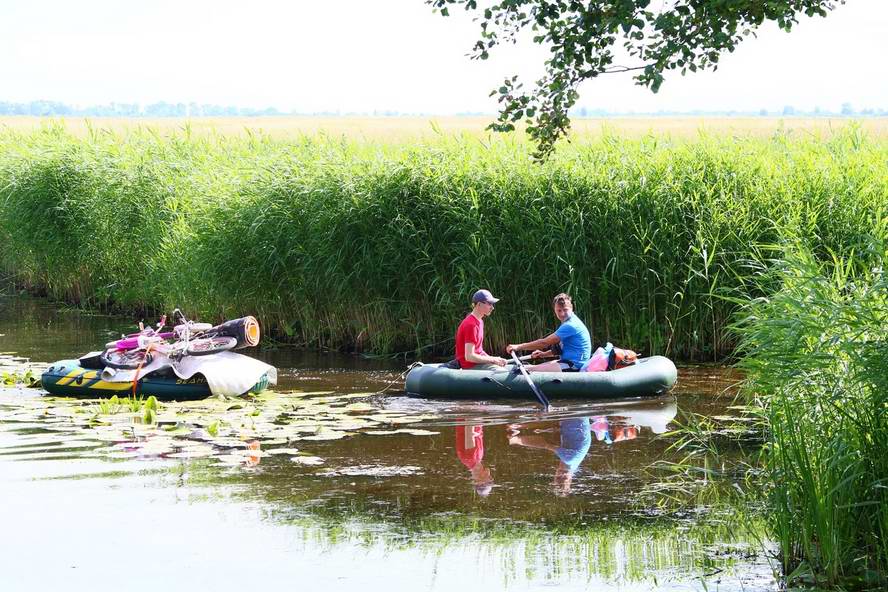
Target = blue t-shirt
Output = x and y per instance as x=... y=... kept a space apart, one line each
x=576 y=344
x=576 y=438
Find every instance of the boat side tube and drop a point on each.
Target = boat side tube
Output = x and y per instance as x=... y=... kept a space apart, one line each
x=648 y=377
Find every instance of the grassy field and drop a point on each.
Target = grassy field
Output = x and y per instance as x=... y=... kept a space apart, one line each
x=409 y=128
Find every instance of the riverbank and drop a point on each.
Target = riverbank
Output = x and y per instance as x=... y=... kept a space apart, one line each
x=376 y=246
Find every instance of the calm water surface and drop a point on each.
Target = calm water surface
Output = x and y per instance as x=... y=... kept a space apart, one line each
x=340 y=482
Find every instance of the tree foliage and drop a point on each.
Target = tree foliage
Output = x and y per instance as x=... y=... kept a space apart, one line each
x=658 y=35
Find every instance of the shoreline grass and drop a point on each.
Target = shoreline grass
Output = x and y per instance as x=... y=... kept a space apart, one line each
x=816 y=356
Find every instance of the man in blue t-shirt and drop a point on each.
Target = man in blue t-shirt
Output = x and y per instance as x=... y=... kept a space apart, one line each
x=572 y=336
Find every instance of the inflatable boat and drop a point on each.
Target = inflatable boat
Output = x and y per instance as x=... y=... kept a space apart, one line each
x=224 y=373
x=647 y=377
x=68 y=378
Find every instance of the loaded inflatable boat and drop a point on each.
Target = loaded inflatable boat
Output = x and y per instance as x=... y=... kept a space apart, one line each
x=648 y=377
x=225 y=373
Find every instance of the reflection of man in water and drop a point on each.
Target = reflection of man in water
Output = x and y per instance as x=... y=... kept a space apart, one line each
x=575 y=439
x=470 y=450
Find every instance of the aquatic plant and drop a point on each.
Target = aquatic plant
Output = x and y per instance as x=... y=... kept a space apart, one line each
x=109 y=406
x=377 y=246
x=25 y=377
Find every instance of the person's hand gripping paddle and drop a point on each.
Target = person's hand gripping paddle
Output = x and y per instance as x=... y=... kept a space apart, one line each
x=536 y=390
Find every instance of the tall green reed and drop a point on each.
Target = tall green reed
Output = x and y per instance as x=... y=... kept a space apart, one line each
x=337 y=244
x=816 y=354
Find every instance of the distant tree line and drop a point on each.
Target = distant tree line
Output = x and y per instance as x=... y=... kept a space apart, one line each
x=846 y=110
x=163 y=109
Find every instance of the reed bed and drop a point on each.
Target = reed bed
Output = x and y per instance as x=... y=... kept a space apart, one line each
x=816 y=353
x=377 y=246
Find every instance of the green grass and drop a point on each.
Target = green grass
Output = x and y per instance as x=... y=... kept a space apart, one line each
x=378 y=246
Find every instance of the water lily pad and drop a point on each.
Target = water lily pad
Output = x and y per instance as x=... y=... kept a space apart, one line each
x=44 y=455
x=197 y=453
x=74 y=444
x=342 y=398
x=327 y=435
x=301 y=428
x=228 y=459
x=393 y=419
x=228 y=443
x=275 y=451
x=417 y=432
x=374 y=471
x=360 y=407
x=349 y=425
x=307 y=460
x=113 y=437
x=249 y=453
x=273 y=441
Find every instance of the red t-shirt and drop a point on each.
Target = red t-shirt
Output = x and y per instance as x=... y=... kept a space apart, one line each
x=471 y=330
x=470 y=445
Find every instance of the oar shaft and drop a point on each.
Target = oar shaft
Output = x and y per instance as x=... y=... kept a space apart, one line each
x=533 y=387
x=522 y=358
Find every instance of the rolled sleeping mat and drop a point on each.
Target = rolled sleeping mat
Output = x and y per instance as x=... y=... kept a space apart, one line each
x=245 y=330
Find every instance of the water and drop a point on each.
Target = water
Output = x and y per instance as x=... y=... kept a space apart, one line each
x=329 y=484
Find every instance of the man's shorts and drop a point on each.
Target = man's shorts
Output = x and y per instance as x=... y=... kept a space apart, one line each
x=568 y=366
x=485 y=367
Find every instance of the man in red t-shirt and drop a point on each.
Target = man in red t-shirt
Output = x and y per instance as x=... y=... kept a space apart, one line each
x=470 y=335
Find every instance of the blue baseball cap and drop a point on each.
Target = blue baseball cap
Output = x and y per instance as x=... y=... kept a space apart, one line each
x=484 y=296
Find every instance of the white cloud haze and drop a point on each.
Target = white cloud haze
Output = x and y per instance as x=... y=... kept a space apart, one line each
x=355 y=55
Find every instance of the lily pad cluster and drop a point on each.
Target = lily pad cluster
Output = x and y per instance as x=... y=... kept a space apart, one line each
x=231 y=431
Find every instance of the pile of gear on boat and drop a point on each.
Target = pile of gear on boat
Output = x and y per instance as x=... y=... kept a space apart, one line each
x=577 y=371
x=190 y=361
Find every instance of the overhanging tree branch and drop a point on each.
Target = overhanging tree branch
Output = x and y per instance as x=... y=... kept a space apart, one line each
x=684 y=35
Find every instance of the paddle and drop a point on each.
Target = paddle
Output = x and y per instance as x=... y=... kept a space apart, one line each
x=522 y=358
x=536 y=391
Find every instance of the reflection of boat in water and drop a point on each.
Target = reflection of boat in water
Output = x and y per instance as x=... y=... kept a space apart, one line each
x=650 y=376
x=653 y=415
x=570 y=438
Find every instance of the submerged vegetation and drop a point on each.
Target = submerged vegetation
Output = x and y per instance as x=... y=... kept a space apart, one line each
x=337 y=244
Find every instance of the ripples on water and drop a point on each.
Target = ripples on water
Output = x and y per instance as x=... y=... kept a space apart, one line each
x=331 y=484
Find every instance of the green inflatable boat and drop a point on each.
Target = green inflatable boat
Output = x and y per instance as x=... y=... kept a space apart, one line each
x=648 y=377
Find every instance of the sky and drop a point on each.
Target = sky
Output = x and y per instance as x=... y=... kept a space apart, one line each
x=391 y=55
